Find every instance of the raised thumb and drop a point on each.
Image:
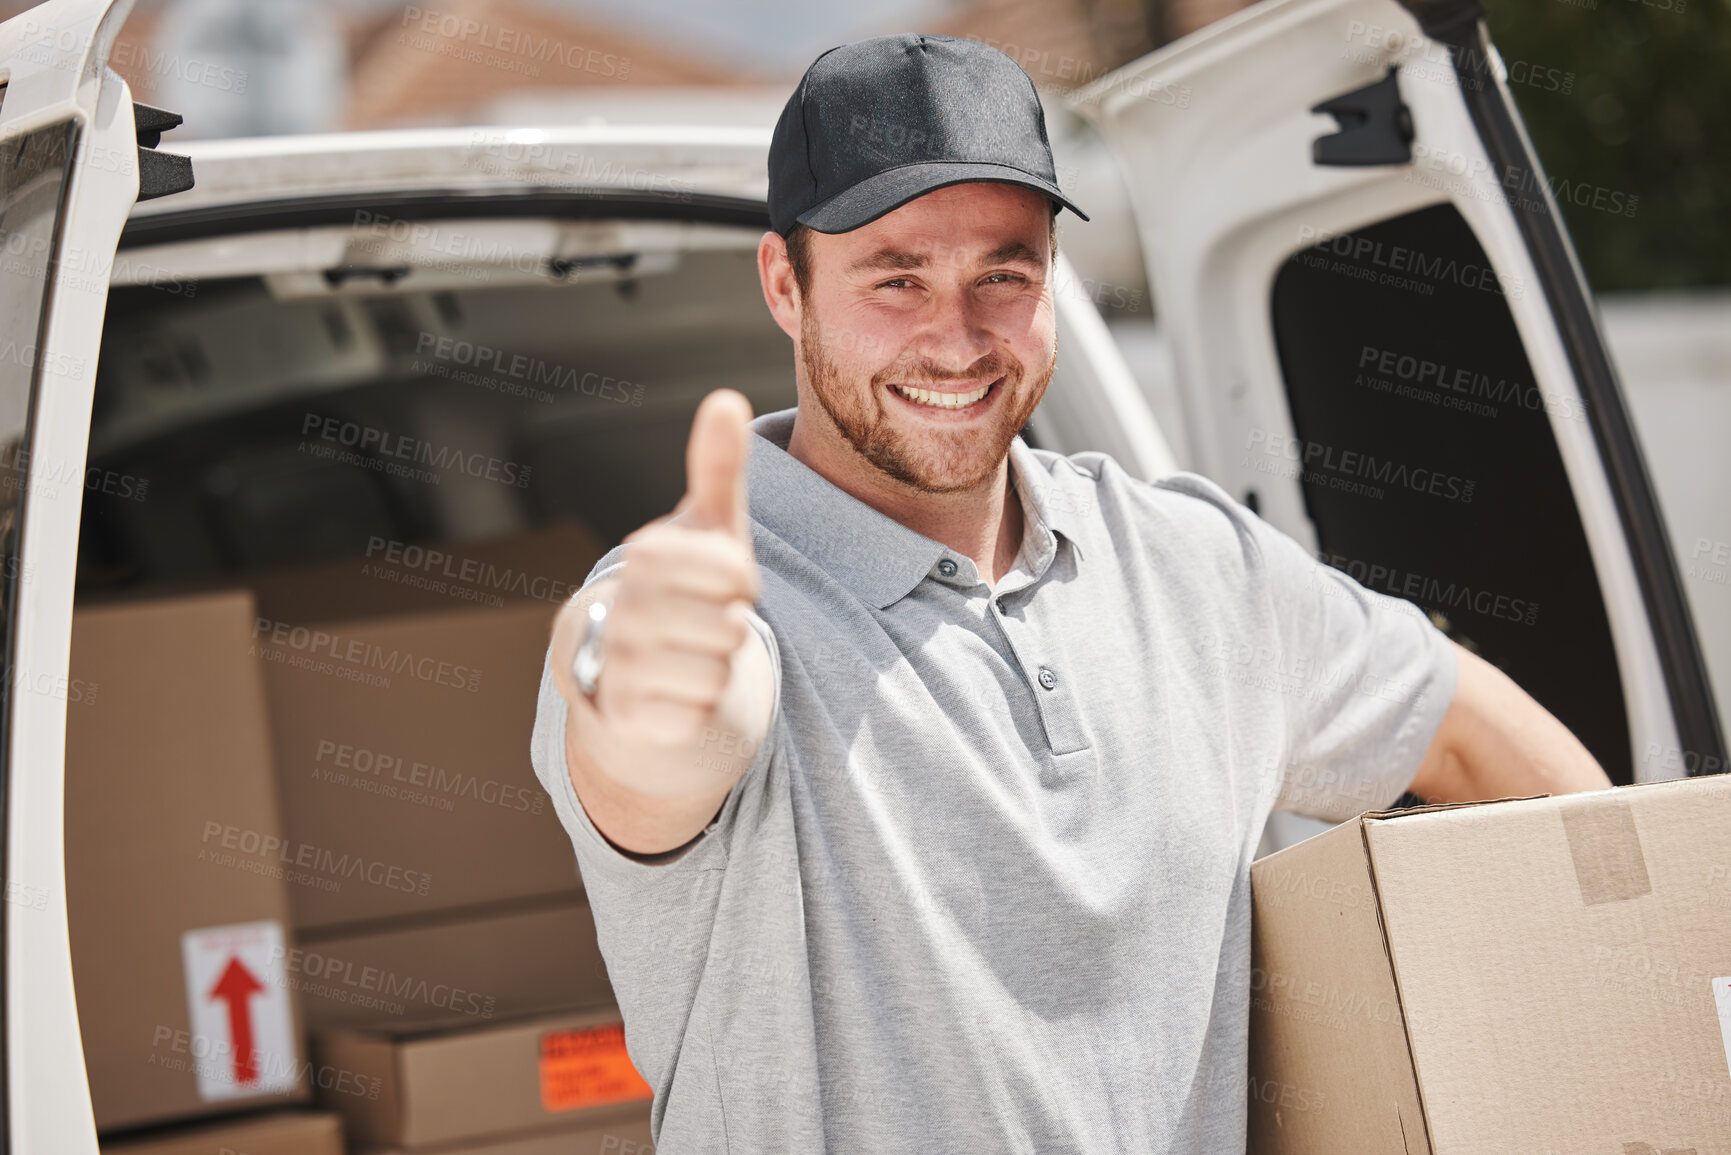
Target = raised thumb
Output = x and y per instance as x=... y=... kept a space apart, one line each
x=715 y=464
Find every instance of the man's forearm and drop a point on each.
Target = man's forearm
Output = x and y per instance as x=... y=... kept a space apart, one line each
x=1497 y=742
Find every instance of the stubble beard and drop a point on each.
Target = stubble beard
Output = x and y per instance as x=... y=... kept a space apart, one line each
x=945 y=461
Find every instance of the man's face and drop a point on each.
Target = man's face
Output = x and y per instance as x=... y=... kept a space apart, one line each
x=928 y=336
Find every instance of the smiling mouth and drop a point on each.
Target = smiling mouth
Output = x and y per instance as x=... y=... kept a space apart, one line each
x=938 y=399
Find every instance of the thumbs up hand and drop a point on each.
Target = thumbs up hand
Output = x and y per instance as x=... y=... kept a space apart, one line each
x=715 y=460
x=679 y=613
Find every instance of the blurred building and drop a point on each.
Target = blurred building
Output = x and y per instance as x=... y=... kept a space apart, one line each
x=1061 y=45
x=242 y=67
x=456 y=68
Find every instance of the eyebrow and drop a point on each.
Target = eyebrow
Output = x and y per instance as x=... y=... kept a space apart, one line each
x=900 y=260
x=888 y=260
x=1013 y=252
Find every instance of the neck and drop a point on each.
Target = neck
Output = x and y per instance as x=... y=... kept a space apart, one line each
x=983 y=523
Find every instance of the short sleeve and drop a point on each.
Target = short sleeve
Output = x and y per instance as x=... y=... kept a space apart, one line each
x=595 y=854
x=1367 y=679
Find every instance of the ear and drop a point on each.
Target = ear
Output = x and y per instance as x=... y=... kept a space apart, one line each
x=780 y=289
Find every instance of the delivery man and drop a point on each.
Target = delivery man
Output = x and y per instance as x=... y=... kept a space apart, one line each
x=915 y=774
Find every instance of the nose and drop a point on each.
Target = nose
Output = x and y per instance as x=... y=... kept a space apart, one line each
x=957 y=331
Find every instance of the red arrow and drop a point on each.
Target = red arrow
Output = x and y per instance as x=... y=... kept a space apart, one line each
x=236 y=988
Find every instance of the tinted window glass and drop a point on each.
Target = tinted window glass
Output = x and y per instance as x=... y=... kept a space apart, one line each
x=33 y=171
x=1428 y=462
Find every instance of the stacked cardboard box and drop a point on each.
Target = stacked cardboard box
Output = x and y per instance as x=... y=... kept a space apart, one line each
x=401 y=741
x=1542 y=975
x=402 y=756
x=176 y=889
x=336 y=796
x=539 y=1079
x=621 y=1137
x=278 y=1133
x=402 y=737
x=479 y=969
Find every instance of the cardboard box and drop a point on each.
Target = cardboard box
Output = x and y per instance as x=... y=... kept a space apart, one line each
x=490 y=967
x=278 y=1133
x=402 y=755
x=1542 y=975
x=465 y=1083
x=625 y=1136
x=174 y=895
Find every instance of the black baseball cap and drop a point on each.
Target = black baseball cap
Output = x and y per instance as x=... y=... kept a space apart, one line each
x=876 y=123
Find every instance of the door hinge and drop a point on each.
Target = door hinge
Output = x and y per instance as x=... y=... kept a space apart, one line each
x=159 y=173
x=1375 y=127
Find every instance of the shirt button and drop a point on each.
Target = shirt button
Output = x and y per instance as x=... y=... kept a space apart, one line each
x=947 y=568
x=1047 y=678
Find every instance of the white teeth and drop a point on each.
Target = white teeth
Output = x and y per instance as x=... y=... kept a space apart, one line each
x=942 y=400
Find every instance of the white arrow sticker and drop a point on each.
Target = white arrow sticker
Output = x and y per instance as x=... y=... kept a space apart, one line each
x=237 y=996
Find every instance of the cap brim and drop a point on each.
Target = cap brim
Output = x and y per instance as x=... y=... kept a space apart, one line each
x=870 y=199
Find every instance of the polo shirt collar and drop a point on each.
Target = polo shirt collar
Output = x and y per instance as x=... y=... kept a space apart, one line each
x=876 y=558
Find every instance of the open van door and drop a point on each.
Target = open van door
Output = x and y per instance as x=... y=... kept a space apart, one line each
x=69 y=174
x=1386 y=347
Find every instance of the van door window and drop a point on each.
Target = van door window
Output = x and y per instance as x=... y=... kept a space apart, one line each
x=33 y=179
x=1425 y=450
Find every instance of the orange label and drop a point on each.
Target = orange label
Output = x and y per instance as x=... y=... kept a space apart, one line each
x=588 y=1068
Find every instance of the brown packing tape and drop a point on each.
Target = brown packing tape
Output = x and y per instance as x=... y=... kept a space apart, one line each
x=1606 y=849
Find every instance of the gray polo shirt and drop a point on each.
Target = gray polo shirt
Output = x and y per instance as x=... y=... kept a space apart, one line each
x=985 y=886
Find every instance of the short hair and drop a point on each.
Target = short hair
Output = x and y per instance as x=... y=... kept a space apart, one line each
x=799 y=256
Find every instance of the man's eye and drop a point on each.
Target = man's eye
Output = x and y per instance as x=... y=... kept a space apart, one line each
x=897 y=283
x=1004 y=278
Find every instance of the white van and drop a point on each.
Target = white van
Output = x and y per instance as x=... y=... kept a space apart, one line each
x=1382 y=338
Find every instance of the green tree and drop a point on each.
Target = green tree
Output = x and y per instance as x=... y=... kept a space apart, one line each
x=1635 y=98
